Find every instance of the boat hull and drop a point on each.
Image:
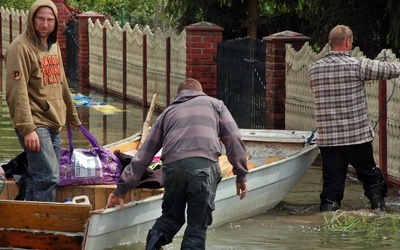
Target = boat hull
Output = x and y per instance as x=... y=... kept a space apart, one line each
x=268 y=185
x=281 y=157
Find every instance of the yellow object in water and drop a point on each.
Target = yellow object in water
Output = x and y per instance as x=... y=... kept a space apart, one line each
x=107 y=109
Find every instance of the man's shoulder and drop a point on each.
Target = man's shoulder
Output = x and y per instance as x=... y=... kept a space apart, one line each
x=20 y=42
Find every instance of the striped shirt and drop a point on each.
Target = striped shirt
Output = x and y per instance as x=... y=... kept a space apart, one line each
x=192 y=126
x=338 y=84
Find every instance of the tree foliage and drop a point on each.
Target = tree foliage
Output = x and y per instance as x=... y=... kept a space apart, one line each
x=375 y=23
x=393 y=37
x=368 y=19
x=133 y=11
x=238 y=18
x=17 y=4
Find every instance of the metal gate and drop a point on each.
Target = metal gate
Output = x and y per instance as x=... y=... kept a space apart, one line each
x=241 y=80
x=71 y=34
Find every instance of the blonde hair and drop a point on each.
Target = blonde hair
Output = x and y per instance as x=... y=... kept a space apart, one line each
x=190 y=83
x=339 y=34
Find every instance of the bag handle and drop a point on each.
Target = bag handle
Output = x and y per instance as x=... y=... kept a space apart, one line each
x=86 y=133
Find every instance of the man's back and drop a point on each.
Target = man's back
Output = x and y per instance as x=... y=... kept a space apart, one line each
x=191 y=127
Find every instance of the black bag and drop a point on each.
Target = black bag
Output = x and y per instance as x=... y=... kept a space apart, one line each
x=17 y=168
x=151 y=178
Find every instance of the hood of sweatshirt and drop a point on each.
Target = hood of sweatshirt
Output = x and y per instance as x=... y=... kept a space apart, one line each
x=30 y=29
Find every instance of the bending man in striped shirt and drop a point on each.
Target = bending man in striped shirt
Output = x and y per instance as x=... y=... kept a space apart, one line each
x=189 y=133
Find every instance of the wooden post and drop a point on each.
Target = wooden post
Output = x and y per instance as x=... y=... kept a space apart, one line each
x=144 y=60
x=104 y=61
x=10 y=25
x=168 y=70
x=383 y=128
x=1 y=52
x=20 y=24
x=146 y=123
x=124 y=61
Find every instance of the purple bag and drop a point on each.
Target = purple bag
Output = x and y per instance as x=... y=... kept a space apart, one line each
x=96 y=165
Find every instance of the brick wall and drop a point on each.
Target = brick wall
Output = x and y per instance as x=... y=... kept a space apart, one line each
x=201 y=53
x=83 y=41
x=275 y=75
x=64 y=15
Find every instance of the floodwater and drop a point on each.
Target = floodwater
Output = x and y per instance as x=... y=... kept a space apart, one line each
x=108 y=119
x=295 y=223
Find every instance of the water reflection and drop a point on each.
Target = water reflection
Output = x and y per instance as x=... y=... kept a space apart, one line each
x=118 y=121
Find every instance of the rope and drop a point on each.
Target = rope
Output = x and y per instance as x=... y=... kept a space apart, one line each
x=310 y=140
x=390 y=97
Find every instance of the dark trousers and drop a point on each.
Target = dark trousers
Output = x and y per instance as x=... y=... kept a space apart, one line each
x=193 y=183
x=335 y=161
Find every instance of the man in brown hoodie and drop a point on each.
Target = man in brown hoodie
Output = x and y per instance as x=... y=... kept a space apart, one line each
x=38 y=98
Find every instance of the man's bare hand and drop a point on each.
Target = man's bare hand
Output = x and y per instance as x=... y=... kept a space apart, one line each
x=114 y=200
x=32 y=141
x=72 y=126
x=241 y=189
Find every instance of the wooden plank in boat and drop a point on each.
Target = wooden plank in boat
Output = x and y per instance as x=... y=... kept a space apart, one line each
x=272 y=159
x=12 y=238
x=143 y=193
x=227 y=168
x=10 y=191
x=125 y=147
x=44 y=216
x=98 y=194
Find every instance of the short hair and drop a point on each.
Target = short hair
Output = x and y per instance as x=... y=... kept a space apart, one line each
x=339 y=34
x=190 y=83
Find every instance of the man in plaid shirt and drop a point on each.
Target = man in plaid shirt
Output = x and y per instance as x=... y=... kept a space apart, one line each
x=344 y=132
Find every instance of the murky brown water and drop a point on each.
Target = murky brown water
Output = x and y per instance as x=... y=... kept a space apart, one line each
x=294 y=224
x=110 y=122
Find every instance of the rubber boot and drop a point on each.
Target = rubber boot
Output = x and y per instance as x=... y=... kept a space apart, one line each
x=330 y=207
x=377 y=200
x=154 y=240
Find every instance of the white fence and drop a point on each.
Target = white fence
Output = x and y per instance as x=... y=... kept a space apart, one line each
x=155 y=59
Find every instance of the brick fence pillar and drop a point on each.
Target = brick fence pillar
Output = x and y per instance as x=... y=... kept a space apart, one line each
x=275 y=74
x=201 y=53
x=83 y=41
x=64 y=15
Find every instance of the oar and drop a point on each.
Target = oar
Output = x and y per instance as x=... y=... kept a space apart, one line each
x=148 y=118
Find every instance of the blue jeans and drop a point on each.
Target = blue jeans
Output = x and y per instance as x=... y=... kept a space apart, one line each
x=43 y=166
x=192 y=182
